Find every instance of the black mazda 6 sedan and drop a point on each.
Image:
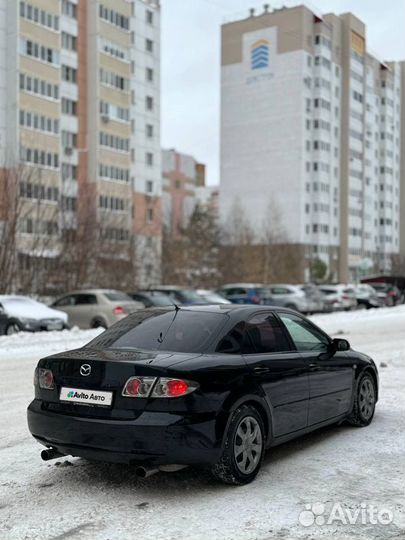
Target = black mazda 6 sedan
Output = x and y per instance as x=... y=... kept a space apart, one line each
x=202 y=385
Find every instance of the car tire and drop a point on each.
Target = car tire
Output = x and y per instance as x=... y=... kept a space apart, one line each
x=364 y=402
x=12 y=328
x=98 y=323
x=238 y=466
x=292 y=306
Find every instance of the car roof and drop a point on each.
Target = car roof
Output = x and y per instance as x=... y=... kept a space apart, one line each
x=228 y=308
x=168 y=288
x=246 y=285
x=93 y=291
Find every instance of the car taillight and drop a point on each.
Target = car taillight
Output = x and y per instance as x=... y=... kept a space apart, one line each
x=391 y=293
x=345 y=297
x=138 y=387
x=118 y=310
x=255 y=300
x=164 y=387
x=171 y=388
x=45 y=379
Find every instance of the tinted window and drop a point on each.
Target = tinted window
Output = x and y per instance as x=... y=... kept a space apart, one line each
x=261 y=334
x=85 y=299
x=305 y=336
x=234 y=292
x=174 y=330
x=264 y=335
x=117 y=297
x=232 y=342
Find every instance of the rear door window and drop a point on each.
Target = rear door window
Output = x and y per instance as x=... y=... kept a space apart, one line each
x=260 y=334
x=264 y=334
x=85 y=299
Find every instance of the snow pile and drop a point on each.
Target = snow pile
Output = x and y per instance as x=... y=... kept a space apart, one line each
x=27 y=344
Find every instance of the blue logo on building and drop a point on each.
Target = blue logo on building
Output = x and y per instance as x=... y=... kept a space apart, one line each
x=259 y=54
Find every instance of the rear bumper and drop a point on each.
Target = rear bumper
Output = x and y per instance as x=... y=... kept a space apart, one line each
x=152 y=438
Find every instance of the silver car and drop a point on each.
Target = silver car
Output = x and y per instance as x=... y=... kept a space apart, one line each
x=92 y=308
x=290 y=296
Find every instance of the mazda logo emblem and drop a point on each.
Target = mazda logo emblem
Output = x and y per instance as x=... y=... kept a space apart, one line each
x=85 y=370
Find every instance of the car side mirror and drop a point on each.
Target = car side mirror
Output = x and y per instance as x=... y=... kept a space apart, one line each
x=340 y=345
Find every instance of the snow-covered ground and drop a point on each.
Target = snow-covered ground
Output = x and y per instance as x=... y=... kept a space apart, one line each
x=72 y=498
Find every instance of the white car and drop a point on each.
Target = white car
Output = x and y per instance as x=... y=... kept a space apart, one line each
x=339 y=297
x=25 y=314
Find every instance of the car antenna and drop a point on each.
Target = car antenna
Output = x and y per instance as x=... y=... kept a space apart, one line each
x=176 y=307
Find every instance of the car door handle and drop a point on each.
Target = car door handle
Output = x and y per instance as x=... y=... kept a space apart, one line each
x=314 y=366
x=261 y=370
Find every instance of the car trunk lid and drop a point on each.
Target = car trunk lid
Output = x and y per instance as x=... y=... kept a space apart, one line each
x=91 y=372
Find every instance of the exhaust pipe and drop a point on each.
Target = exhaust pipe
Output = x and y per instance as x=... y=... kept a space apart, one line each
x=50 y=453
x=144 y=472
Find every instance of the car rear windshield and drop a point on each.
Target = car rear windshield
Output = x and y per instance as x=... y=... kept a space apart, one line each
x=174 y=331
x=117 y=297
x=188 y=295
x=160 y=300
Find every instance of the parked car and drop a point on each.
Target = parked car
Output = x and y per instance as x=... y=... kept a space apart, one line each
x=366 y=297
x=92 y=308
x=389 y=294
x=180 y=295
x=23 y=314
x=290 y=296
x=339 y=297
x=246 y=293
x=152 y=298
x=315 y=298
x=212 y=297
x=212 y=386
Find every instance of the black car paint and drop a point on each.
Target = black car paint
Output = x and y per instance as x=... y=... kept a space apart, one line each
x=295 y=392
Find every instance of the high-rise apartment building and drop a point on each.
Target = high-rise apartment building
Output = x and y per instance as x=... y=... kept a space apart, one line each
x=80 y=110
x=311 y=137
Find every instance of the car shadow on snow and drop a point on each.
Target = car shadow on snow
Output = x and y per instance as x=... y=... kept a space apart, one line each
x=79 y=473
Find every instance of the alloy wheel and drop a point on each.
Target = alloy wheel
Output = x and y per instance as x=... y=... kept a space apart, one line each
x=367 y=398
x=248 y=445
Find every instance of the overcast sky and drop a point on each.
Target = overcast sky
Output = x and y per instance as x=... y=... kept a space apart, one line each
x=191 y=65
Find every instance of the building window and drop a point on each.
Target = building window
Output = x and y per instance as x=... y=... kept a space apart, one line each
x=149 y=103
x=69 y=42
x=39 y=122
x=149 y=131
x=114 y=17
x=149 y=16
x=149 y=45
x=149 y=215
x=39 y=52
x=149 y=74
x=69 y=74
x=149 y=186
x=69 y=9
x=114 y=80
x=39 y=16
x=69 y=107
x=38 y=86
x=149 y=159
